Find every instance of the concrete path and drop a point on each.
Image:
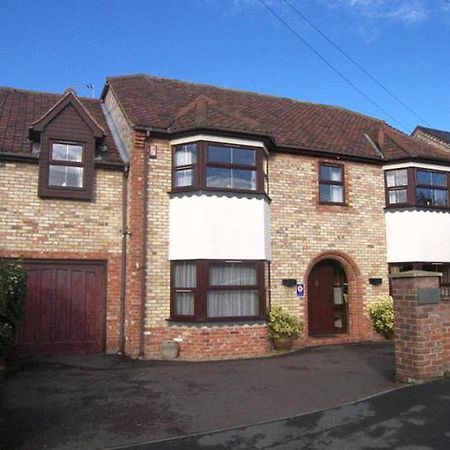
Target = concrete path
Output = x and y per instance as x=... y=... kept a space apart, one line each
x=107 y=401
x=413 y=418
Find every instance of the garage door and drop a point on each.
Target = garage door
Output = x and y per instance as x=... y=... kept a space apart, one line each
x=64 y=308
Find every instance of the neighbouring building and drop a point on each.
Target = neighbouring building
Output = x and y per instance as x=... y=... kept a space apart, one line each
x=173 y=211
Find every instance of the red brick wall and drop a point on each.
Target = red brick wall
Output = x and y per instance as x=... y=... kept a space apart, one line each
x=206 y=343
x=422 y=332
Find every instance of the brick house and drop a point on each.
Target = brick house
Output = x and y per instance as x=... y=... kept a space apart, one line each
x=182 y=212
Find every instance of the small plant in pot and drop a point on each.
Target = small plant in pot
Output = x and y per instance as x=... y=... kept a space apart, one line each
x=283 y=328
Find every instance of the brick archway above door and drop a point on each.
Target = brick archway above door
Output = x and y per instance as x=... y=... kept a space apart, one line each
x=64 y=307
x=357 y=327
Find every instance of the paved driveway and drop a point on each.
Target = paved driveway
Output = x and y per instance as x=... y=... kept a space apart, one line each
x=106 y=401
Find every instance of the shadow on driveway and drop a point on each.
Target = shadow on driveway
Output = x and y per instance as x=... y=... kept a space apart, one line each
x=106 y=401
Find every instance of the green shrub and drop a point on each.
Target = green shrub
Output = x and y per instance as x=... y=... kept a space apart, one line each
x=12 y=296
x=381 y=312
x=281 y=323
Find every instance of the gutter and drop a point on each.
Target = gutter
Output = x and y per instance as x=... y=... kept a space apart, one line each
x=123 y=274
x=144 y=253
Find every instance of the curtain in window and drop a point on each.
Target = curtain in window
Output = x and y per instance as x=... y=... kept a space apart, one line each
x=397 y=178
x=185 y=155
x=232 y=303
x=232 y=274
x=185 y=274
x=184 y=303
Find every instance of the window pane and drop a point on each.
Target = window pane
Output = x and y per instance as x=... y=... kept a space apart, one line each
x=243 y=179
x=219 y=154
x=331 y=193
x=232 y=274
x=218 y=177
x=232 y=303
x=65 y=176
x=185 y=274
x=431 y=197
x=231 y=155
x=428 y=178
x=184 y=177
x=243 y=156
x=184 y=303
x=330 y=173
x=397 y=196
x=185 y=155
x=67 y=152
x=397 y=178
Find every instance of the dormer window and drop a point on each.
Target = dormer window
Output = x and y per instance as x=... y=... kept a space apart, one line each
x=68 y=137
x=66 y=165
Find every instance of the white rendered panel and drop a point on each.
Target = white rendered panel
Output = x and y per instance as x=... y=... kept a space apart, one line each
x=418 y=236
x=213 y=227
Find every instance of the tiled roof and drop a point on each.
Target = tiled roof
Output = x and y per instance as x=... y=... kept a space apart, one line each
x=20 y=108
x=176 y=106
x=442 y=135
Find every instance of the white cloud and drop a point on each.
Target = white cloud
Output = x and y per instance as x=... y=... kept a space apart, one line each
x=406 y=11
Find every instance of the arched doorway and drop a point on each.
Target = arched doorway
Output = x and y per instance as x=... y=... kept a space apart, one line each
x=327 y=299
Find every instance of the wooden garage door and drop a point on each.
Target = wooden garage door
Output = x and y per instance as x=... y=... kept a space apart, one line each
x=64 y=308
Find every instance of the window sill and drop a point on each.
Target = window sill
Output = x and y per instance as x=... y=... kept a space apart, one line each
x=219 y=193
x=333 y=204
x=215 y=322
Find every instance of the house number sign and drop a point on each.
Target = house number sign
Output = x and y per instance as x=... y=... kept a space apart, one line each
x=301 y=289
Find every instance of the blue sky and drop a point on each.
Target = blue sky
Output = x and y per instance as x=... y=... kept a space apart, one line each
x=49 y=45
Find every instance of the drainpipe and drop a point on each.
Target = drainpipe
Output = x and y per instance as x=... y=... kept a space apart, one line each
x=144 y=252
x=123 y=275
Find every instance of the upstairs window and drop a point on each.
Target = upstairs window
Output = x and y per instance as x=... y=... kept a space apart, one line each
x=331 y=184
x=431 y=188
x=417 y=187
x=66 y=165
x=397 y=186
x=66 y=170
x=184 y=161
x=231 y=168
x=219 y=167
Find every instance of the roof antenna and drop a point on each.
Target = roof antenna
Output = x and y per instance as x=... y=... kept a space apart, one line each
x=89 y=86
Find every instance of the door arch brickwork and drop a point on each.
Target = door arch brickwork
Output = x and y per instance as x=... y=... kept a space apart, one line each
x=359 y=327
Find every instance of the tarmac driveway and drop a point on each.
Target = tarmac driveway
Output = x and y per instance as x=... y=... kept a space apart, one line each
x=107 y=401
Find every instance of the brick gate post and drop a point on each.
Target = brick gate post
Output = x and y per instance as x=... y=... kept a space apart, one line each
x=418 y=326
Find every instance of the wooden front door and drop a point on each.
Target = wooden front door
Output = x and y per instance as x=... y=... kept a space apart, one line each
x=327 y=299
x=64 y=308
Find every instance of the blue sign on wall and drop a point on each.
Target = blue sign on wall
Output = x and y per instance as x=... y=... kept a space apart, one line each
x=300 y=289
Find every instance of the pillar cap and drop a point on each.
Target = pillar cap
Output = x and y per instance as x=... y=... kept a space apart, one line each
x=415 y=274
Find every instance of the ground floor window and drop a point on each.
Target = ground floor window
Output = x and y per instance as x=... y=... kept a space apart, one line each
x=205 y=290
x=443 y=268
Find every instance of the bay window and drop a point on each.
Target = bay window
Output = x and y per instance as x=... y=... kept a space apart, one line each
x=218 y=290
x=223 y=167
x=417 y=187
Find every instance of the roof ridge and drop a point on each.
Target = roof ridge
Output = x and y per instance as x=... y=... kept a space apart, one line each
x=253 y=93
x=31 y=91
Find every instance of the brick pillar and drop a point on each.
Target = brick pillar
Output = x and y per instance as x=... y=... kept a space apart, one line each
x=418 y=330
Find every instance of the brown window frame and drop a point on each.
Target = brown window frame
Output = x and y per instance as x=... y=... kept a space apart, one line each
x=202 y=287
x=66 y=192
x=411 y=189
x=332 y=183
x=202 y=164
